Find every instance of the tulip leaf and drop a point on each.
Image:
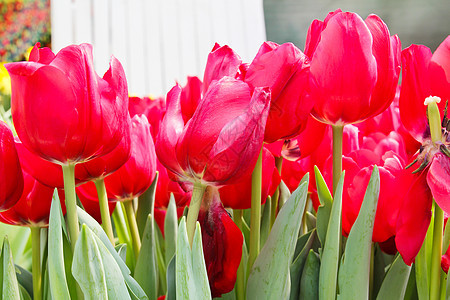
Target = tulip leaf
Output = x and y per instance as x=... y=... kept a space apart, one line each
x=171 y=281
x=134 y=288
x=146 y=205
x=24 y=295
x=332 y=247
x=56 y=267
x=170 y=229
x=324 y=210
x=396 y=280
x=304 y=244
x=285 y=194
x=146 y=267
x=309 y=284
x=24 y=278
x=355 y=267
x=270 y=275
x=121 y=249
x=159 y=246
x=19 y=238
x=9 y=287
x=191 y=277
x=95 y=269
x=265 y=221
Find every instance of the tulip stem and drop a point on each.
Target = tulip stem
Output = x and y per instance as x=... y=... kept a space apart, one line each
x=36 y=262
x=194 y=208
x=131 y=217
x=240 y=277
x=71 y=203
x=104 y=209
x=338 y=132
x=255 y=219
x=276 y=195
x=436 y=253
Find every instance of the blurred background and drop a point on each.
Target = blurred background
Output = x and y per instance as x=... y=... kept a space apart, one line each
x=160 y=42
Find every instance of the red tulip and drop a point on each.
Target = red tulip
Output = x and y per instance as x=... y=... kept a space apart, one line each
x=33 y=208
x=137 y=174
x=238 y=195
x=89 y=198
x=355 y=66
x=11 y=183
x=285 y=69
x=191 y=95
x=222 y=244
x=63 y=111
x=153 y=109
x=222 y=140
x=167 y=186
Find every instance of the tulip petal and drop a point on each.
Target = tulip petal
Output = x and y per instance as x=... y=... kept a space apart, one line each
x=438 y=179
x=439 y=72
x=415 y=215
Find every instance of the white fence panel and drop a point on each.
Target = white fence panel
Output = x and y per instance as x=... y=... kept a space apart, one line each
x=158 y=42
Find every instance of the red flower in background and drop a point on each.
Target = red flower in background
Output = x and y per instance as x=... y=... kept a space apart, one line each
x=222 y=140
x=11 y=183
x=85 y=115
x=153 y=109
x=222 y=244
x=285 y=69
x=355 y=65
x=137 y=174
x=87 y=193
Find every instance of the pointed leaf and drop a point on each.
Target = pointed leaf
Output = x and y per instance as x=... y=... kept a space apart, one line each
x=309 y=284
x=146 y=205
x=56 y=268
x=25 y=279
x=355 y=269
x=146 y=268
x=265 y=221
x=121 y=249
x=171 y=281
x=170 y=229
x=396 y=280
x=324 y=210
x=304 y=244
x=136 y=291
x=191 y=277
x=9 y=285
x=285 y=194
x=332 y=247
x=269 y=277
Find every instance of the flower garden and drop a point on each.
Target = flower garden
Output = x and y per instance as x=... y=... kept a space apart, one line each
x=321 y=173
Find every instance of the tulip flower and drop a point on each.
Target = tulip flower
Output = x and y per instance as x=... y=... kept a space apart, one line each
x=238 y=196
x=11 y=183
x=87 y=193
x=153 y=109
x=166 y=186
x=285 y=69
x=222 y=140
x=65 y=113
x=222 y=244
x=358 y=80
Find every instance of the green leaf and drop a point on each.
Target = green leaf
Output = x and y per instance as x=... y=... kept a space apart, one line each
x=25 y=279
x=395 y=282
x=171 y=281
x=121 y=249
x=304 y=244
x=309 y=284
x=146 y=267
x=269 y=277
x=159 y=246
x=56 y=268
x=285 y=194
x=332 y=247
x=134 y=288
x=355 y=269
x=265 y=221
x=146 y=205
x=191 y=277
x=95 y=269
x=324 y=210
x=9 y=287
x=24 y=295
x=170 y=229
x=20 y=240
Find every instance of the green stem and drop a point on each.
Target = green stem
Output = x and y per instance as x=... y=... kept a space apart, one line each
x=255 y=219
x=436 y=253
x=71 y=203
x=194 y=208
x=240 y=278
x=276 y=195
x=135 y=238
x=338 y=132
x=104 y=209
x=36 y=262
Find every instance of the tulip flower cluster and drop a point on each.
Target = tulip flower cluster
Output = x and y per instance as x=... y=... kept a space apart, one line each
x=265 y=179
